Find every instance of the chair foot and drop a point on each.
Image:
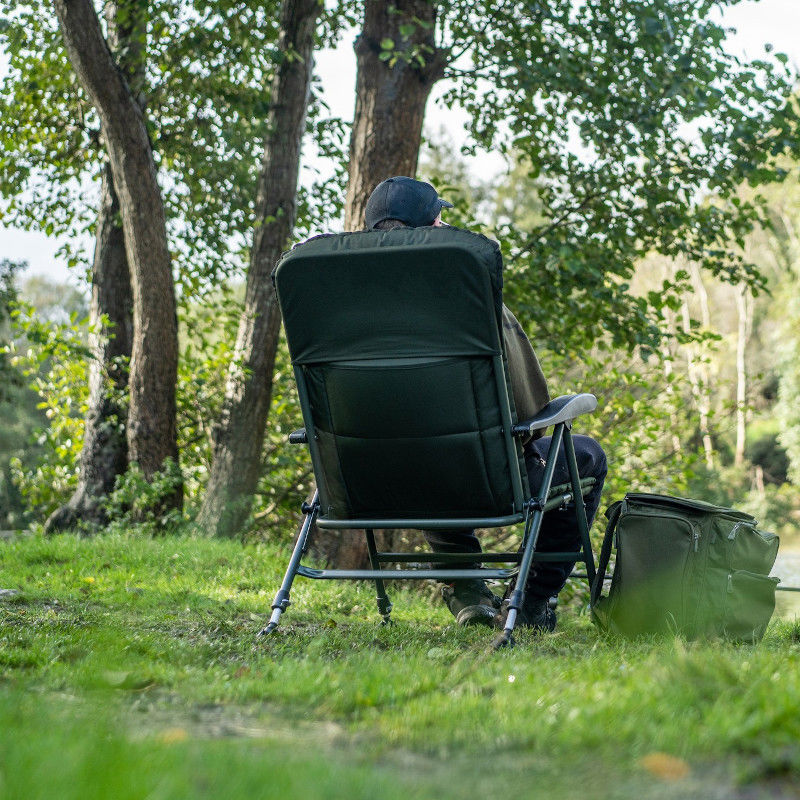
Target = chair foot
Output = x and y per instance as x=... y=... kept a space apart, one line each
x=504 y=639
x=387 y=620
x=270 y=627
x=273 y=622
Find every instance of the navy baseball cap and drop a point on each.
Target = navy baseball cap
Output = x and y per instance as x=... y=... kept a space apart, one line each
x=414 y=202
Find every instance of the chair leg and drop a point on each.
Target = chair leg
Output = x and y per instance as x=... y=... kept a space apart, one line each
x=281 y=601
x=580 y=505
x=533 y=524
x=384 y=606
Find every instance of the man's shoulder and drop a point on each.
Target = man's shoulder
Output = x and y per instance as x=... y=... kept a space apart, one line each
x=402 y=237
x=512 y=324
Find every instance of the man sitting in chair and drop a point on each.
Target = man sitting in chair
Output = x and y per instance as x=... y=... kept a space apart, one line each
x=404 y=202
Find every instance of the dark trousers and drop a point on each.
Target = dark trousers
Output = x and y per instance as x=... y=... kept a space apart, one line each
x=559 y=531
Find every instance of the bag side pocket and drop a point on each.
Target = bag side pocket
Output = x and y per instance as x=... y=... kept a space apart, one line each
x=749 y=605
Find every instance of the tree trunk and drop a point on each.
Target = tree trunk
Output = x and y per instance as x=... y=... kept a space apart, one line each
x=154 y=358
x=667 y=359
x=239 y=439
x=105 y=447
x=390 y=97
x=697 y=366
x=743 y=306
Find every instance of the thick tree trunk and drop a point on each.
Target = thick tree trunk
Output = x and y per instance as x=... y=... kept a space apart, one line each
x=390 y=97
x=239 y=439
x=105 y=447
x=154 y=359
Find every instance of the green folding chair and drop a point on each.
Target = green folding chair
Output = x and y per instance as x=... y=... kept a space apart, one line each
x=397 y=349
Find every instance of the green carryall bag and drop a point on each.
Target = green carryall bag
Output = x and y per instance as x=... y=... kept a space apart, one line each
x=686 y=567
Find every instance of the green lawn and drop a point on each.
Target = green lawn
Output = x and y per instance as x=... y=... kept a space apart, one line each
x=129 y=668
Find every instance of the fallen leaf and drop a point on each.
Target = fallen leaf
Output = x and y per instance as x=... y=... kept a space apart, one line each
x=665 y=766
x=173 y=735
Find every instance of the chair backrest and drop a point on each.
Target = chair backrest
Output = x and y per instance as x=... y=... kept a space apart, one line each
x=396 y=342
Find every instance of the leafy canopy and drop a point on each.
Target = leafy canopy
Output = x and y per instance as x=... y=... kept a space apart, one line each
x=637 y=129
x=205 y=91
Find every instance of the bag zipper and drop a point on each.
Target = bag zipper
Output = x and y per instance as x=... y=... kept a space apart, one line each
x=741 y=524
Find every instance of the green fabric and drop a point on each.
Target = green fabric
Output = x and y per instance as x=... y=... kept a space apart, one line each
x=395 y=337
x=687 y=567
x=418 y=292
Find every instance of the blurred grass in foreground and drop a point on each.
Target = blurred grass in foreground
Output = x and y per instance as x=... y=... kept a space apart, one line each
x=129 y=668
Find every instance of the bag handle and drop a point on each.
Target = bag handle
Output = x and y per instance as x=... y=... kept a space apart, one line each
x=614 y=513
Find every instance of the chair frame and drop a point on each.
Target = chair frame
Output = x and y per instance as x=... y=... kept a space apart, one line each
x=560 y=414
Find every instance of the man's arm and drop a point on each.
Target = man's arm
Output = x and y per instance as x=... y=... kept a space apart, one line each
x=528 y=384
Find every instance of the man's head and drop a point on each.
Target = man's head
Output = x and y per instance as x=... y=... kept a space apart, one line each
x=414 y=203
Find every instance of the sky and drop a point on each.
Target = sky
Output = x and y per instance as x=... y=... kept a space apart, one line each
x=757 y=22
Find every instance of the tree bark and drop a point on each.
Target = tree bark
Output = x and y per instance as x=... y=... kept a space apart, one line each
x=743 y=306
x=698 y=368
x=667 y=359
x=390 y=97
x=239 y=438
x=105 y=448
x=151 y=430
x=104 y=455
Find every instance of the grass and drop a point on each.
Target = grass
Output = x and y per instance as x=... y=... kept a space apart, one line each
x=129 y=668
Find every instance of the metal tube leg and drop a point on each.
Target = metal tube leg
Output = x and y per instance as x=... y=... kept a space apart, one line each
x=580 y=504
x=281 y=601
x=533 y=524
x=384 y=606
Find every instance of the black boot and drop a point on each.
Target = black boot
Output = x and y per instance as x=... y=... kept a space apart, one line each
x=536 y=613
x=471 y=602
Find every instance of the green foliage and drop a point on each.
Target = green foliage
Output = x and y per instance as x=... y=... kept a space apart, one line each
x=139 y=501
x=632 y=422
x=597 y=98
x=766 y=452
x=788 y=407
x=8 y=297
x=53 y=357
x=205 y=71
x=17 y=407
x=207 y=337
x=287 y=480
x=590 y=101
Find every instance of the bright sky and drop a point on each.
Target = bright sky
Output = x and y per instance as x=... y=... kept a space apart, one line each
x=758 y=22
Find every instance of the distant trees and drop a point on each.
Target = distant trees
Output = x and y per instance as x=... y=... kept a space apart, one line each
x=12 y=511
x=590 y=102
x=191 y=76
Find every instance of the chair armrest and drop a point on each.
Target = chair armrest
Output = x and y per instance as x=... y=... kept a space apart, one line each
x=298 y=437
x=562 y=409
